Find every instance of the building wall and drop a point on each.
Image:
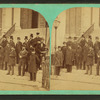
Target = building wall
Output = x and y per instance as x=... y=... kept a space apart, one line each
x=74 y=22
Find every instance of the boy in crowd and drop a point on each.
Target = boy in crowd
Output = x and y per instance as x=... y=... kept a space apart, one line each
x=22 y=61
x=12 y=59
x=58 y=61
x=33 y=65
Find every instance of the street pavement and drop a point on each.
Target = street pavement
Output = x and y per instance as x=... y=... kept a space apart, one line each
x=14 y=82
x=77 y=80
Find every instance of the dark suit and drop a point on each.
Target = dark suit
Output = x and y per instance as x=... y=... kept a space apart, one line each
x=18 y=49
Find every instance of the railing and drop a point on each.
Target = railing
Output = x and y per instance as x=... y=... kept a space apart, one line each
x=88 y=32
x=9 y=32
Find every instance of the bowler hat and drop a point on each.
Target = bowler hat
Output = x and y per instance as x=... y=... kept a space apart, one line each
x=26 y=37
x=97 y=37
x=11 y=37
x=18 y=38
x=90 y=37
x=37 y=33
x=31 y=35
x=4 y=36
x=69 y=37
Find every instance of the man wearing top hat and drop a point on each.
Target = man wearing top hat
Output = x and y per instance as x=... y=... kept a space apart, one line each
x=74 y=47
x=69 y=42
x=12 y=44
x=27 y=48
x=37 y=38
x=90 y=43
x=31 y=41
x=83 y=41
x=18 y=48
x=4 y=41
x=64 y=52
x=96 y=47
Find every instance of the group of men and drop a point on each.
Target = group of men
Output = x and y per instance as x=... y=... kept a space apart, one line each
x=27 y=56
x=83 y=54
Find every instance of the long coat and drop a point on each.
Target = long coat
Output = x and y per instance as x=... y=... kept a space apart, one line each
x=90 y=43
x=90 y=58
x=78 y=53
x=6 y=54
x=18 y=47
x=96 y=49
x=4 y=43
x=33 y=63
x=12 y=44
x=58 y=59
x=12 y=57
x=69 y=56
x=85 y=53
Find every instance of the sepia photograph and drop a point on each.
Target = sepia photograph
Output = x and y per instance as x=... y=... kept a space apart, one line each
x=75 y=50
x=24 y=50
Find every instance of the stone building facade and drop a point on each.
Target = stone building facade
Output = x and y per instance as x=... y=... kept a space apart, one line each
x=24 y=19
x=74 y=22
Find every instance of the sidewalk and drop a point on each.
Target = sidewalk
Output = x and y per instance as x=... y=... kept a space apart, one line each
x=14 y=82
x=77 y=80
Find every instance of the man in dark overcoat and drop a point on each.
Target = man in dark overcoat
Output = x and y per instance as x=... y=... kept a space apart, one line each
x=96 y=47
x=12 y=44
x=90 y=43
x=85 y=54
x=37 y=38
x=78 y=57
x=18 y=49
x=64 y=52
x=4 y=44
x=69 y=58
x=28 y=50
x=74 y=47
x=6 y=54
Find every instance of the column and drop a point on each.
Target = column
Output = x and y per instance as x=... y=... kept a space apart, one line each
x=6 y=19
x=17 y=18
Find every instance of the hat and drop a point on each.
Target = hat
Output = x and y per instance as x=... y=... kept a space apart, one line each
x=75 y=38
x=96 y=37
x=4 y=36
x=11 y=37
x=59 y=46
x=18 y=38
x=89 y=37
x=64 y=42
x=83 y=36
x=37 y=33
x=31 y=35
x=69 y=37
x=26 y=37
